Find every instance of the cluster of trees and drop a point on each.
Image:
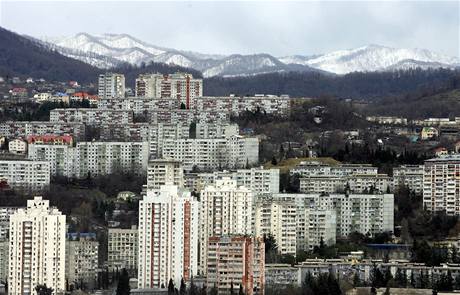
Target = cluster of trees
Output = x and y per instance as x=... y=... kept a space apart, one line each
x=354 y=85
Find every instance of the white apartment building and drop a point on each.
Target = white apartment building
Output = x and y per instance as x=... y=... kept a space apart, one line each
x=4 y=259
x=17 y=146
x=123 y=248
x=363 y=213
x=102 y=158
x=441 y=184
x=60 y=157
x=15 y=129
x=168 y=237
x=410 y=176
x=37 y=248
x=5 y=213
x=278 y=218
x=92 y=117
x=25 y=174
x=356 y=183
x=313 y=168
x=164 y=171
x=226 y=209
x=111 y=85
x=82 y=260
x=294 y=225
x=148 y=85
x=213 y=153
x=258 y=180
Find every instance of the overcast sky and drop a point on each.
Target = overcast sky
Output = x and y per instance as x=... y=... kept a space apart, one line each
x=278 y=28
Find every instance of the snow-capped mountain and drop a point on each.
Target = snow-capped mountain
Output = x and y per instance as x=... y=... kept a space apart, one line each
x=109 y=50
x=374 y=58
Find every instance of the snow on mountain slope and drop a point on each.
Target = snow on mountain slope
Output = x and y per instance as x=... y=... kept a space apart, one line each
x=371 y=58
x=125 y=48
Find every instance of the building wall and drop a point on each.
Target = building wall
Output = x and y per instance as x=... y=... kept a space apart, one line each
x=37 y=248
x=168 y=237
x=225 y=209
x=123 y=247
x=25 y=175
x=237 y=261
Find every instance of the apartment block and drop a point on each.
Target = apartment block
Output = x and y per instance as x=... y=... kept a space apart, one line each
x=102 y=158
x=355 y=183
x=214 y=153
x=59 y=157
x=5 y=213
x=278 y=218
x=4 y=260
x=294 y=225
x=37 y=248
x=226 y=209
x=82 y=260
x=168 y=237
x=15 y=129
x=92 y=117
x=441 y=184
x=111 y=85
x=258 y=180
x=363 y=213
x=123 y=248
x=237 y=261
x=410 y=176
x=164 y=171
x=313 y=168
x=25 y=175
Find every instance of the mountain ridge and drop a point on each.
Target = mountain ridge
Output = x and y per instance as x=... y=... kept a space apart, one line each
x=370 y=58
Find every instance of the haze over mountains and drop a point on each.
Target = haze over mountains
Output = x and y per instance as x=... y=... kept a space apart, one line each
x=109 y=50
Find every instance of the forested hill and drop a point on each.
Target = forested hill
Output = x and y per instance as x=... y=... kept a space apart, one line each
x=24 y=57
x=355 y=85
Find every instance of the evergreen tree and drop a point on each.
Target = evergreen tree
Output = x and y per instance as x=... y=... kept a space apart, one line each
x=193 y=289
x=241 y=292
x=356 y=280
x=171 y=287
x=401 y=278
x=43 y=290
x=232 y=291
x=183 y=287
x=123 y=283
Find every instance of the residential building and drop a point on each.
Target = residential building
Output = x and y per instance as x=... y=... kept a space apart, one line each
x=278 y=218
x=103 y=158
x=50 y=139
x=294 y=225
x=5 y=213
x=15 y=129
x=233 y=152
x=60 y=157
x=226 y=209
x=441 y=184
x=236 y=261
x=123 y=249
x=4 y=260
x=111 y=85
x=25 y=175
x=168 y=237
x=82 y=260
x=314 y=168
x=17 y=146
x=410 y=176
x=92 y=117
x=164 y=171
x=258 y=180
x=37 y=248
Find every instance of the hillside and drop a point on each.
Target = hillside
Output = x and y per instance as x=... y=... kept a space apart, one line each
x=441 y=104
x=365 y=86
x=22 y=57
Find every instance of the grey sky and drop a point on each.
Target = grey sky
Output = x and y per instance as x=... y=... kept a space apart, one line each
x=278 y=28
